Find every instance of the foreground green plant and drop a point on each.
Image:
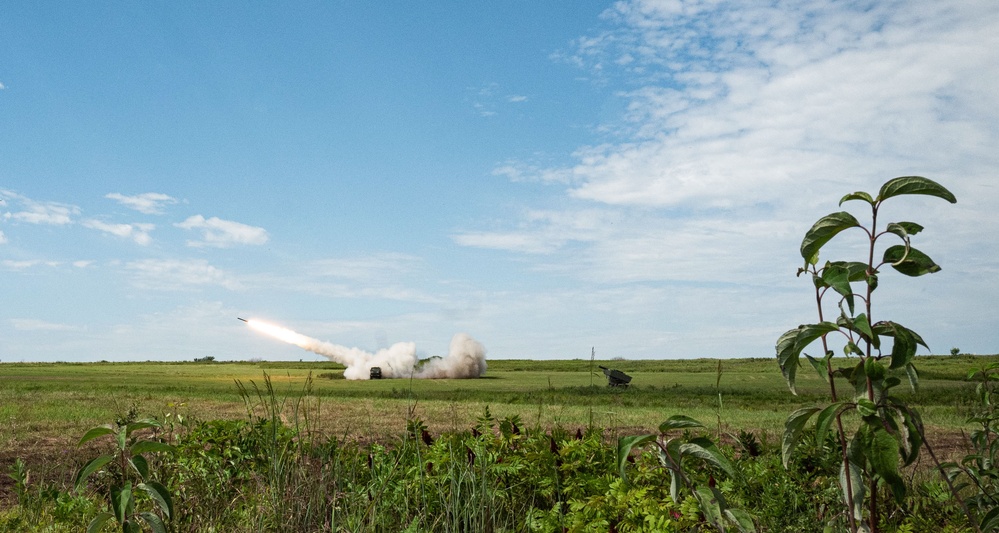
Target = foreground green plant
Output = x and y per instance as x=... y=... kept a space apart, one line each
x=889 y=432
x=125 y=469
x=678 y=455
x=980 y=469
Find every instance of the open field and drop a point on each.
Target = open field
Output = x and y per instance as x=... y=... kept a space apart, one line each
x=52 y=402
x=332 y=426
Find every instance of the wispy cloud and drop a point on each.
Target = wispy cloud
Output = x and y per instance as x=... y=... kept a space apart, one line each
x=3 y=238
x=150 y=203
x=544 y=232
x=11 y=264
x=742 y=115
x=137 y=232
x=735 y=102
x=29 y=324
x=488 y=98
x=173 y=274
x=220 y=233
x=367 y=267
x=32 y=212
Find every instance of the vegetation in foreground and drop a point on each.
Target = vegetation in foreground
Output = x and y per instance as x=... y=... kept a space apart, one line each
x=273 y=471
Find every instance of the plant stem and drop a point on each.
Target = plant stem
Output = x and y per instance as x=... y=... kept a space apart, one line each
x=839 y=420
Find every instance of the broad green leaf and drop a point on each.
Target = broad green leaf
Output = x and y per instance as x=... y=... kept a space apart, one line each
x=852 y=348
x=903 y=349
x=859 y=195
x=904 y=345
x=912 y=264
x=822 y=231
x=710 y=502
x=874 y=370
x=913 y=375
x=98 y=522
x=140 y=465
x=827 y=417
x=705 y=450
x=741 y=519
x=858 y=324
x=160 y=495
x=899 y=230
x=883 y=455
x=121 y=502
x=624 y=447
x=93 y=433
x=914 y=185
x=853 y=493
x=990 y=522
x=674 y=486
x=792 y=431
x=857 y=377
x=791 y=343
x=919 y=340
x=821 y=366
x=92 y=466
x=911 y=228
x=864 y=326
x=911 y=435
x=144 y=446
x=154 y=522
x=866 y=407
x=786 y=359
x=140 y=424
x=837 y=276
x=679 y=422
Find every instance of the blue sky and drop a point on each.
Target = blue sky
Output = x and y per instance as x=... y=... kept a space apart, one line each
x=546 y=177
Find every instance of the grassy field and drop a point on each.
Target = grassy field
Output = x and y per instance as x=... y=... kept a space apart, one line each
x=46 y=404
x=294 y=446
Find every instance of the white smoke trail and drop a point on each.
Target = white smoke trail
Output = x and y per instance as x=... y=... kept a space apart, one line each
x=466 y=357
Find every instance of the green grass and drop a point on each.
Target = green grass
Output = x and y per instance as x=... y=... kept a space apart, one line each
x=55 y=400
x=344 y=441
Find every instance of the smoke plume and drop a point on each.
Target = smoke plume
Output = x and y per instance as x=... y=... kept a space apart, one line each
x=466 y=357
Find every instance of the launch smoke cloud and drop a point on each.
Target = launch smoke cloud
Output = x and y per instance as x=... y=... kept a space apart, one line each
x=466 y=357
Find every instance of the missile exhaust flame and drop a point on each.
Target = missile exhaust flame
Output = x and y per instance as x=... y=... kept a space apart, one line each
x=466 y=357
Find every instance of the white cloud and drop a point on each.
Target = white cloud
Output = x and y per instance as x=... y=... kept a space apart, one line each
x=2 y=86
x=150 y=203
x=220 y=233
x=173 y=274
x=737 y=106
x=544 y=232
x=368 y=267
x=3 y=238
x=136 y=232
x=737 y=103
x=82 y=263
x=28 y=324
x=516 y=98
x=51 y=213
x=25 y=264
